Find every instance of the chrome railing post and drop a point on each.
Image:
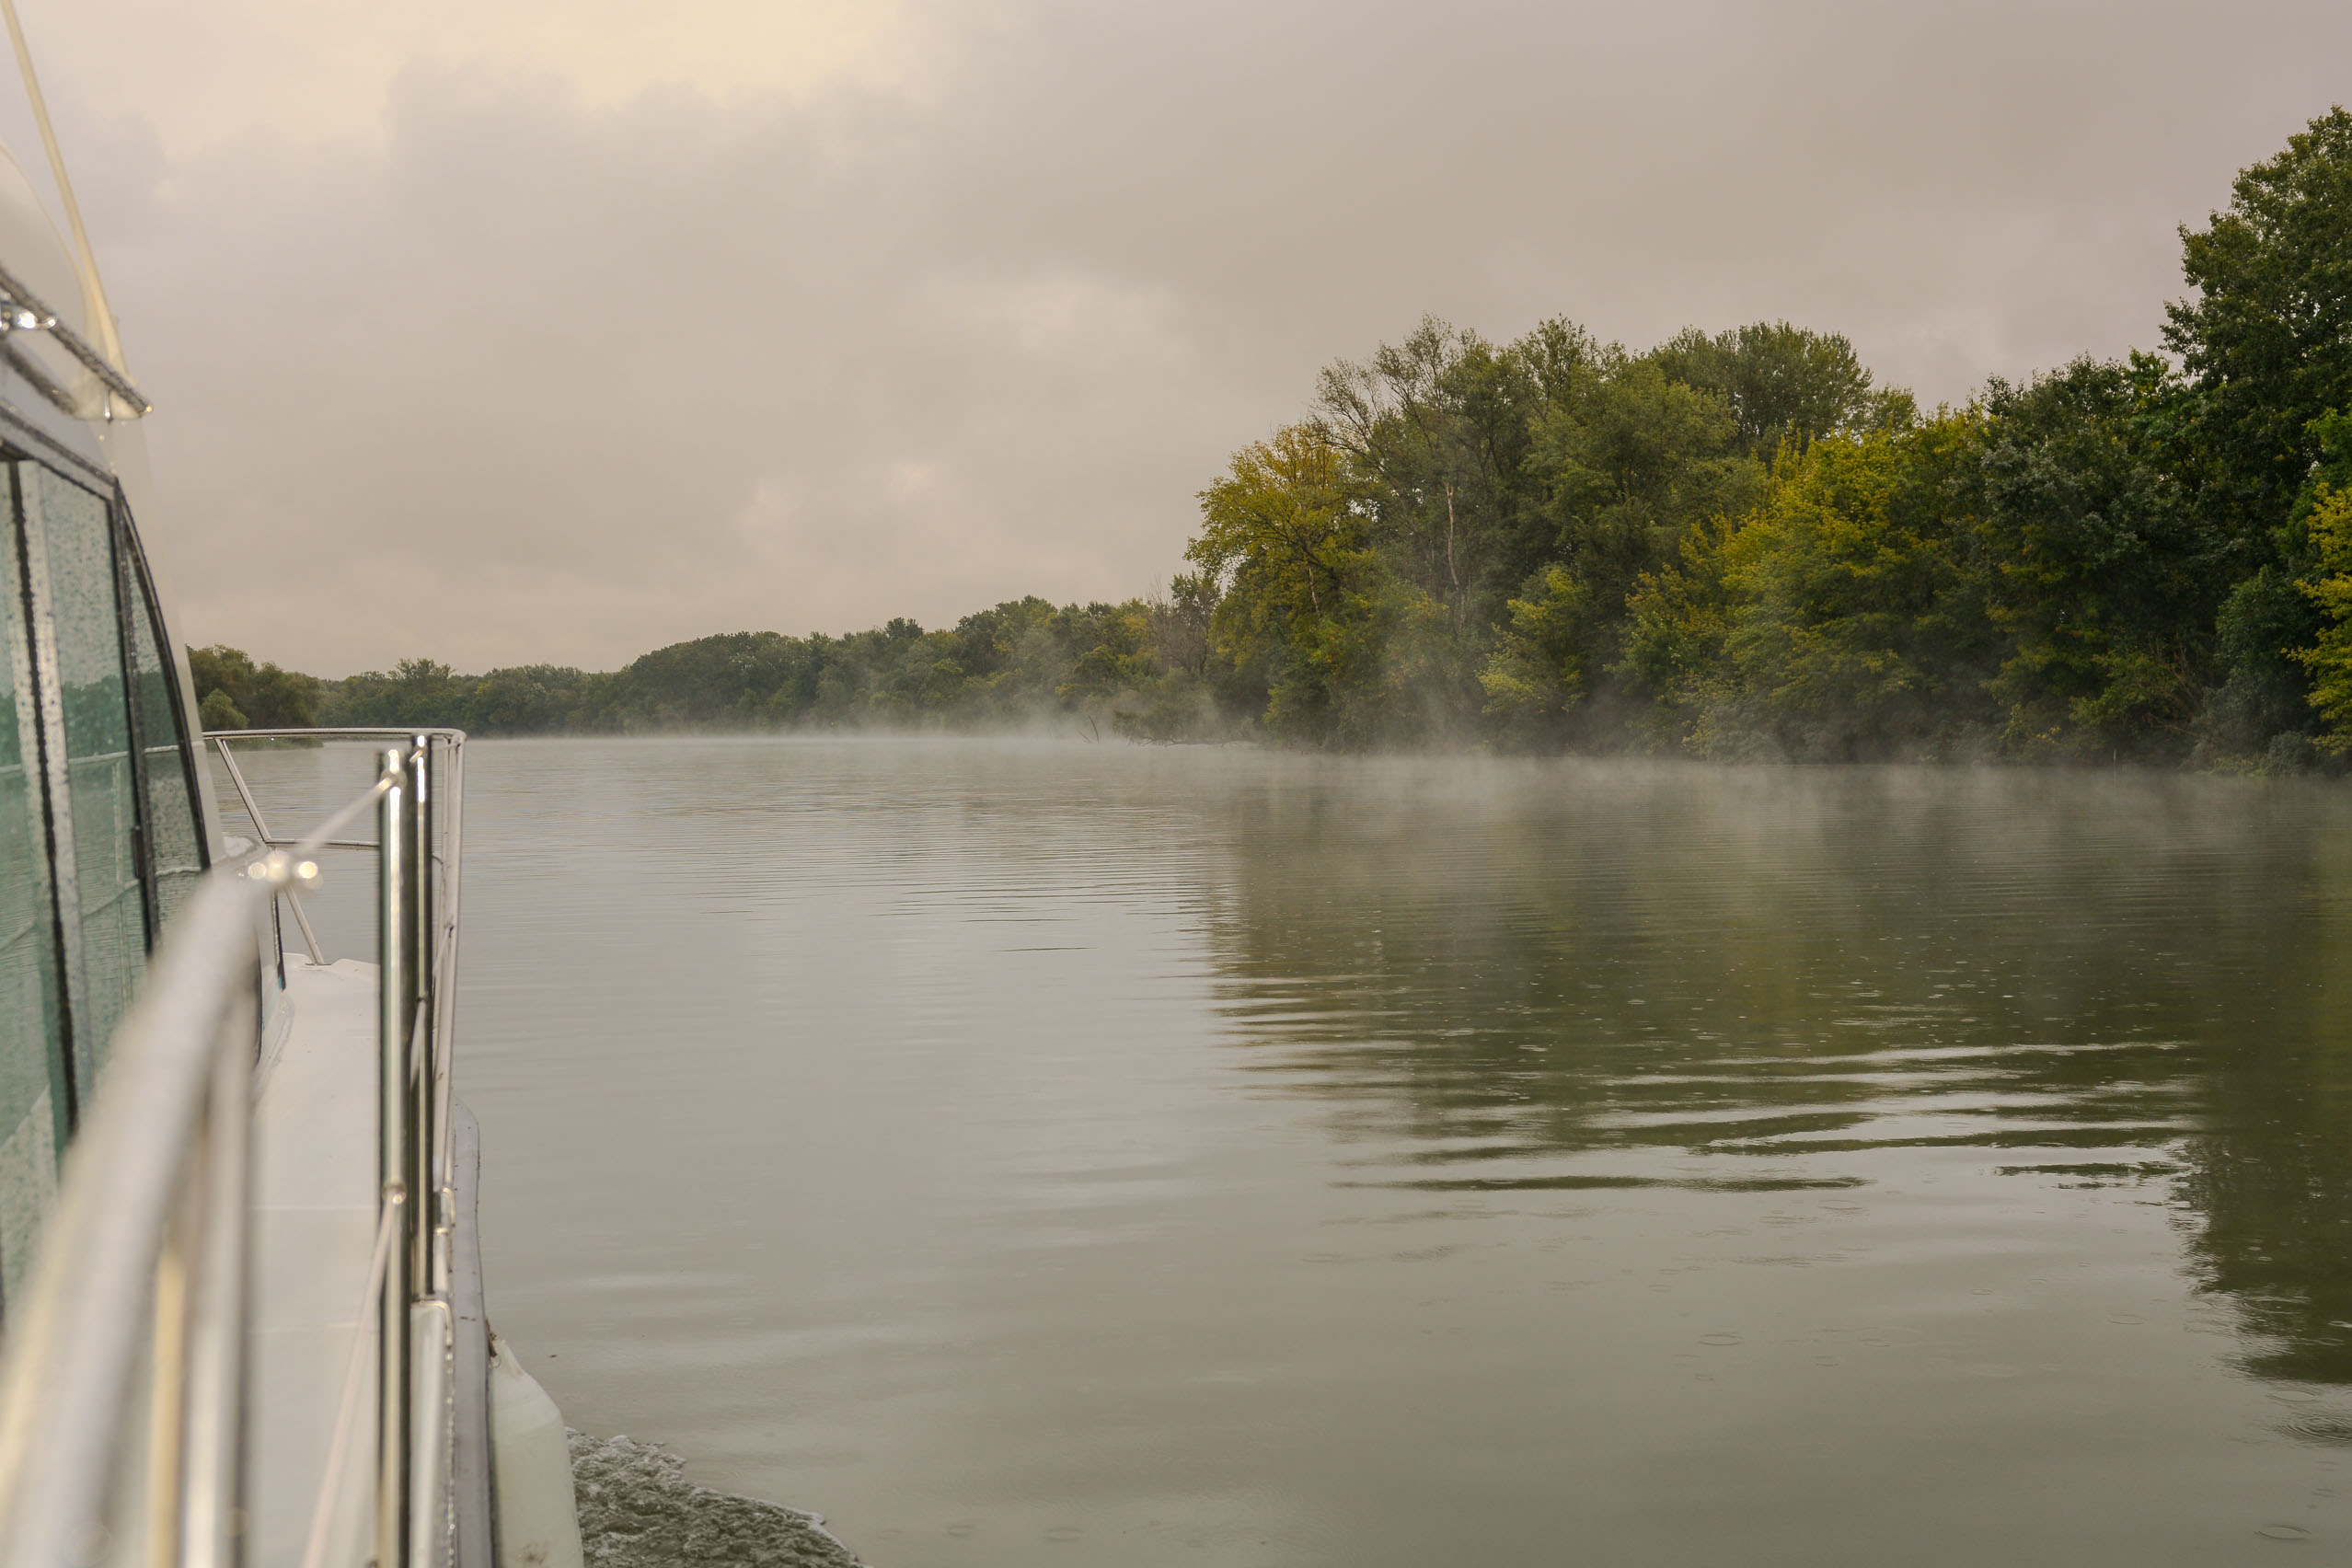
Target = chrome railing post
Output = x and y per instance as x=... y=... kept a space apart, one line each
x=213 y=1485
x=449 y=826
x=422 y=1181
x=396 y=935
x=166 y=1384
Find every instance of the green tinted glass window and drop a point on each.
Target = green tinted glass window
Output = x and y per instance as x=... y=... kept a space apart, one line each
x=174 y=840
x=78 y=536
x=32 y=1087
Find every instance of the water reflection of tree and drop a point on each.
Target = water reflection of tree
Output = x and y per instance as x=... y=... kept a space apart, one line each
x=1544 y=977
x=2271 y=1177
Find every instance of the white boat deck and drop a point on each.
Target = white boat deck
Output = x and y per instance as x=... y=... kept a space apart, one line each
x=314 y=1217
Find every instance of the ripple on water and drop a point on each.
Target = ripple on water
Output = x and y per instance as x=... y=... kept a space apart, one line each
x=2321 y=1425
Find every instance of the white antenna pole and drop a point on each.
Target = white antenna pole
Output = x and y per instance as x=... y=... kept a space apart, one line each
x=109 y=344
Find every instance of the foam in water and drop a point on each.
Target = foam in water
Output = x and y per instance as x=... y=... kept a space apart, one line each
x=638 y=1510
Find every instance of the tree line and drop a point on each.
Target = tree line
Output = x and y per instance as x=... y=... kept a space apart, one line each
x=1024 y=662
x=1731 y=545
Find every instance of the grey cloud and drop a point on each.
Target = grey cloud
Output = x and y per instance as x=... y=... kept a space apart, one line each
x=528 y=380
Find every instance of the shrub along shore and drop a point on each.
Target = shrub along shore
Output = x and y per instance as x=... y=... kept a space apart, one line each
x=1734 y=545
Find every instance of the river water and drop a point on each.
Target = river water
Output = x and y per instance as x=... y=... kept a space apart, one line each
x=1025 y=1153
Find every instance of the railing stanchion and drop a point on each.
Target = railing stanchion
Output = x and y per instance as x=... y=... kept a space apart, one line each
x=214 y=1481
x=395 y=931
x=168 y=1389
x=450 y=827
x=309 y=936
x=422 y=1181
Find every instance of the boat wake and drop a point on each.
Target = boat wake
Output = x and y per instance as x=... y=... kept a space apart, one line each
x=638 y=1510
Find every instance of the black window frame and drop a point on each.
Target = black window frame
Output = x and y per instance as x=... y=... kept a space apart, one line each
x=134 y=595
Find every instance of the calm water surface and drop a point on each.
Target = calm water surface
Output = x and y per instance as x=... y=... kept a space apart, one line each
x=1028 y=1153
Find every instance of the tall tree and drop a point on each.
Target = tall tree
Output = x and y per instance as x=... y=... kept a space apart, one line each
x=1836 y=620
x=1299 y=622
x=2099 y=571
x=1784 y=385
x=2267 y=339
x=1628 y=468
x=1435 y=430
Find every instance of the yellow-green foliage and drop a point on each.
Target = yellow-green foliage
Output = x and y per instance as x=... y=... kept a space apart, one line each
x=1536 y=670
x=2330 y=658
x=1678 y=620
x=1277 y=525
x=1823 y=619
x=1308 y=605
x=1837 y=583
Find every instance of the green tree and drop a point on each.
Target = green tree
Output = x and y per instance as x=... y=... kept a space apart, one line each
x=2100 y=570
x=1785 y=386
x=1437 y=431
x=1837 y=619
x=217 y=712
x=264 y=696
x=2329 y=656
x=1180 y=623
x=2267 y=342
x=1678 y=621
x=417 y=691
x=1629 y=466
x=532 y=699
x=1535 y=677
x=1305 y=602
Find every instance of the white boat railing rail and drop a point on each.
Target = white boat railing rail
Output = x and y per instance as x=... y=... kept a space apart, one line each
x=123 y=1394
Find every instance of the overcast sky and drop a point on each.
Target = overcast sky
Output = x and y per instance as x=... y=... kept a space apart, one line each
x=523 y=330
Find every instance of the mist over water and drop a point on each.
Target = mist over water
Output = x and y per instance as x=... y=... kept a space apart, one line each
x=1021 y=1152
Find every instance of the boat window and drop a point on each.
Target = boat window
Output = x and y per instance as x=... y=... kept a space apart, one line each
x=77 y=530
x=32 y=1087
x=100 y=839
x=175 y=841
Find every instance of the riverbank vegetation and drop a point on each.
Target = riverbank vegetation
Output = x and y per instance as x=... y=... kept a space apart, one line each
x=1731 y=545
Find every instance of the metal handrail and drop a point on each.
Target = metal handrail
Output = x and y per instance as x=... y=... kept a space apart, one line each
x=26 y=312
x=144 y=1263
x=322 y=836
x=178 y=1084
